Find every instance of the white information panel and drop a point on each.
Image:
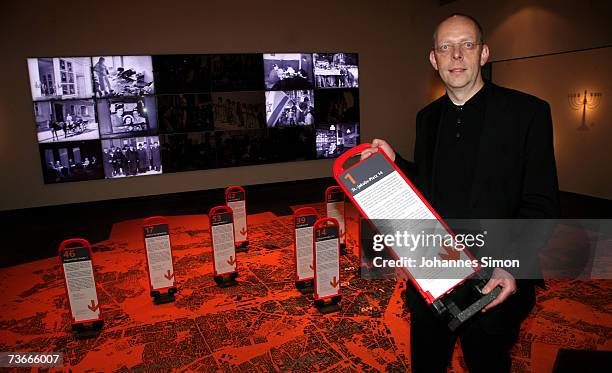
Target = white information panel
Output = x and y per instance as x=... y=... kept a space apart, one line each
x=236 y=200
x=327 y=261
x=159 y=256
x=80 y=284
x=381 y=192
x=224 y=250
x=303 y=246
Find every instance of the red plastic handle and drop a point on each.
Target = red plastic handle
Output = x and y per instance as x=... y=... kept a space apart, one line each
x=305 y=211
x=71 y=241
x=219 y=210
x=155 y=220
x=234 y=189
x=329 y=221
x=341 y=160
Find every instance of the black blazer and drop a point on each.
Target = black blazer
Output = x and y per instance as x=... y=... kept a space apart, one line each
x=515 y=174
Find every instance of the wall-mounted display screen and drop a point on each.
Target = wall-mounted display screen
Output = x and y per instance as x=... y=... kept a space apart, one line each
x=121 y=116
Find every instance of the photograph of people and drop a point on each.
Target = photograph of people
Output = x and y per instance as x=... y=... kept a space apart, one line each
x=67 y=120
x=285 y=71
x=123 y=76
x=134 y=156
x=60 y=78
x=336 y=70
x=289 y=108
x=71 y=161
x=121 y=116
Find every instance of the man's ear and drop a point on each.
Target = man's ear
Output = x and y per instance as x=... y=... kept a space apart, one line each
x=432 y=59
x=484 y=54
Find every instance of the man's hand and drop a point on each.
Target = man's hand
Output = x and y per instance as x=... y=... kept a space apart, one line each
x=376 y=144
x=503 y=279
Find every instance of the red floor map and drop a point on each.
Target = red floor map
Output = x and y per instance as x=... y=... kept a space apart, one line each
x=263 y=324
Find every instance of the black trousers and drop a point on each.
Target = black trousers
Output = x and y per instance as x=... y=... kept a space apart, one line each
x=486 y=339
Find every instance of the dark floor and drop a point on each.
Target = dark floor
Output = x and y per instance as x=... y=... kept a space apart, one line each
x=35 y=233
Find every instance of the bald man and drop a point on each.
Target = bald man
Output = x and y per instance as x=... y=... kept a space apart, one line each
x=482 y=151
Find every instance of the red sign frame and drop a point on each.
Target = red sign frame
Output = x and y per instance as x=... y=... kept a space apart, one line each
x=64 y=247
x=149 y=222
x=338 y=169
x=303 y=211
x=233 y=189
x=217 y=211
x=318 y=224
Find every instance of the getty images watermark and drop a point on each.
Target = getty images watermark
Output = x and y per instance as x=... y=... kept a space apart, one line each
x=434 y=250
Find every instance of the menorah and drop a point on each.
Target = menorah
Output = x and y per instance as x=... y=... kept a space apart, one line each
x=585 y=101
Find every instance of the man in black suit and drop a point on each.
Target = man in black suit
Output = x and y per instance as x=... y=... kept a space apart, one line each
x=482 y=151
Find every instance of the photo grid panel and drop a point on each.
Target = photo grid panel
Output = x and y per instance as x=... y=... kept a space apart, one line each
x=116 y=116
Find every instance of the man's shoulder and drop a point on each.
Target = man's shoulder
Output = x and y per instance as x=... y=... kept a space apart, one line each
x=432 y=108
x=515 y=97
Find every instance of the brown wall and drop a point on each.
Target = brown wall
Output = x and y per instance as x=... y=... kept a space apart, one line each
x=391 y=37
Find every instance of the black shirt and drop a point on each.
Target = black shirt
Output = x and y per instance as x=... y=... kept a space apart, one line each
x=456 y=151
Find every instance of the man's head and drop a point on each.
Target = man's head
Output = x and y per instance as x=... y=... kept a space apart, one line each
x=458 y=52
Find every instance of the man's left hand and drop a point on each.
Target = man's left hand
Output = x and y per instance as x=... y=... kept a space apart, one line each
x=507 y=283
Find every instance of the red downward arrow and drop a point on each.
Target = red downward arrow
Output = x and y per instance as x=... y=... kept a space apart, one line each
x=342 y=233
x=231 y=261
x=243 y=231
x=449 y=253
x=334 y=282
x=93 y=307
x=169 y=275
x=311 y=267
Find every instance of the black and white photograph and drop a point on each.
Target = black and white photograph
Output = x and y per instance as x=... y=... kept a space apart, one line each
x=337 y=106
x=336 y=70
x=58 y=78
x=71 y=161
x=65 y=120
x=182 y=73
x=185 y=113
x=129 y=116
x=239 y=110
x=122 y=76
x=236 y=72
x=133 y=156
x=289 y=108
x=334 y=139
x=288 y=71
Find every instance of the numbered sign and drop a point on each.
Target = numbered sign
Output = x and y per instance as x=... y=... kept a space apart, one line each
x=235 y=199
x=334 y=207
x=326 y=256
x=158 y=247
x=222 y=236
x=304 y=220
x=77 y=267
x=381 y=191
